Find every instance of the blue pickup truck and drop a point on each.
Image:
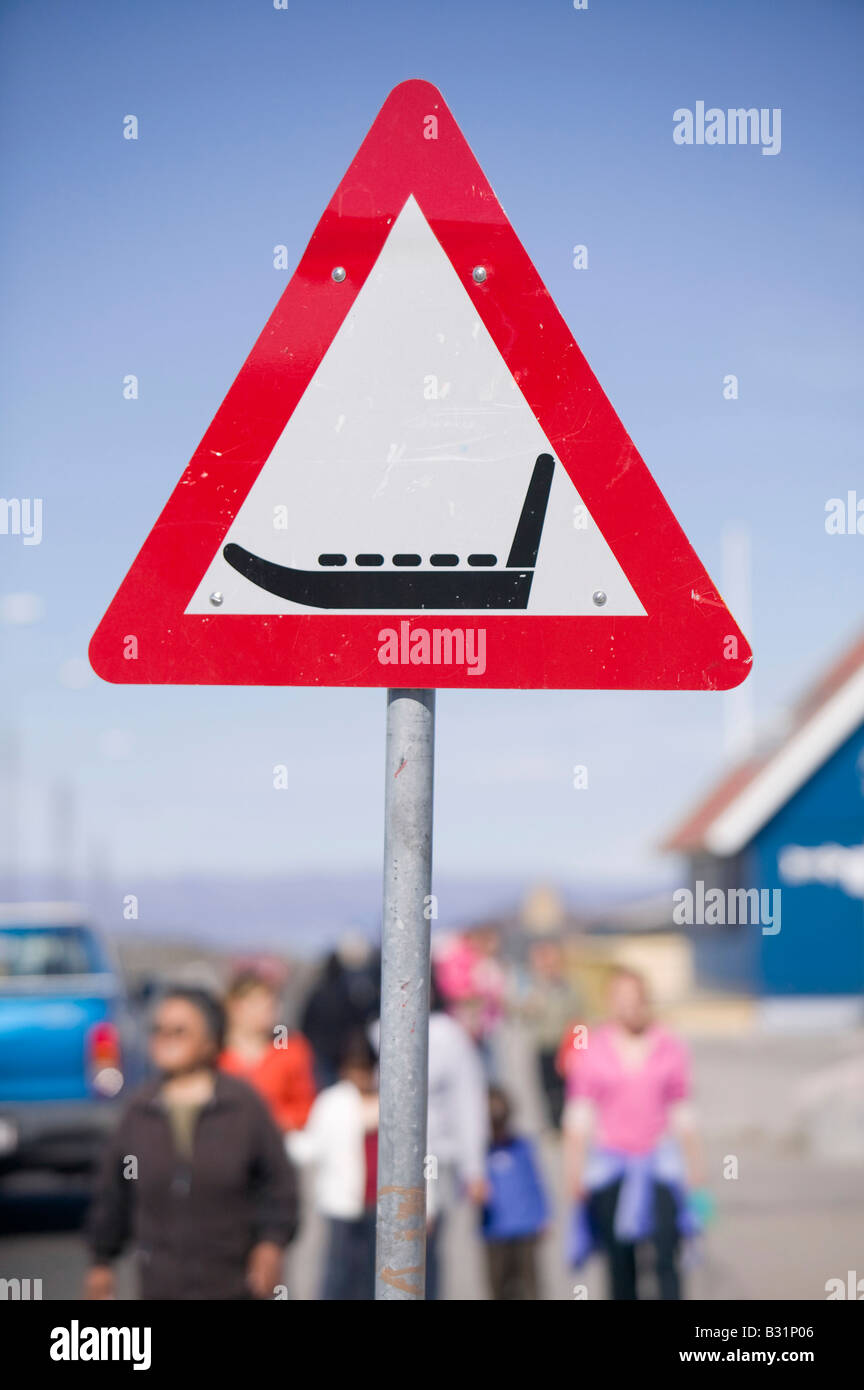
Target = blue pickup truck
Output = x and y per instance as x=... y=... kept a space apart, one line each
x=69 y=1042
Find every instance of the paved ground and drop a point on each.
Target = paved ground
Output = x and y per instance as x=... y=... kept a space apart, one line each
x=790 y=1221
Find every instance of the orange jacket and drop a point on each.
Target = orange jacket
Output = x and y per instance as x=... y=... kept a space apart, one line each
x=282 y=1075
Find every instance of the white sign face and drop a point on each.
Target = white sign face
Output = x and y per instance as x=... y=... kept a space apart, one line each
x=410 y=458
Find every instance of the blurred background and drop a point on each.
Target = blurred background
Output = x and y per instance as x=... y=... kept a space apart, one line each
x=145 y=839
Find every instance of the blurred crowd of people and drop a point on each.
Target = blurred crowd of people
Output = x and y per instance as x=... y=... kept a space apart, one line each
x=200 y=1177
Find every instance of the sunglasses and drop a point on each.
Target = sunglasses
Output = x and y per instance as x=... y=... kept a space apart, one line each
x=161 y=1030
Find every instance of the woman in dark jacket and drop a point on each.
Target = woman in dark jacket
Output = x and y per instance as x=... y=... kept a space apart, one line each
x=195 y=1176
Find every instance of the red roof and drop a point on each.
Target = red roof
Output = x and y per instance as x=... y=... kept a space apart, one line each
x=690 y=834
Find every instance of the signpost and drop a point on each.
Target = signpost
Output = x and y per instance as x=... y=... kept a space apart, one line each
x=416 y=481
x=404 y=1061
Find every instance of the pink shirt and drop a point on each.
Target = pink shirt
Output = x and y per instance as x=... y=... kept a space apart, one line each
x=631 y=1103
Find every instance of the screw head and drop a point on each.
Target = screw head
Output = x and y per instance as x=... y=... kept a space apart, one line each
x=599 y=597
x=478 y=274
x=217 y=599
x=339 y=273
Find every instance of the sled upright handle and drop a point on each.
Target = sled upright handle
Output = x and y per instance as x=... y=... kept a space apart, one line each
x=526 y=540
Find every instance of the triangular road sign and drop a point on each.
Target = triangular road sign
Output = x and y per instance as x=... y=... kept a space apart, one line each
x=416 y=480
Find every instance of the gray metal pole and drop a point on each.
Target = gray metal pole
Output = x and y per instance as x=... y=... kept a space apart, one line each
x=400 y=1257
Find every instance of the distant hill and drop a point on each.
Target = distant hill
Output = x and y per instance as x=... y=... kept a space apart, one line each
x=301 y=914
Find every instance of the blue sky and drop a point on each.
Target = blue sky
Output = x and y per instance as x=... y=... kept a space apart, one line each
x=155 y=257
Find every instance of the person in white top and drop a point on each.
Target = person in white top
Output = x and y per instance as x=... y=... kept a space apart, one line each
x=341 y=1141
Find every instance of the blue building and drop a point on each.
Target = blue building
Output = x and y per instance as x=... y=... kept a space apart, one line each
x=785 y=829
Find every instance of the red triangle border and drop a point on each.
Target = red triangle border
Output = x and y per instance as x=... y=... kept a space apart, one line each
x=688 y=640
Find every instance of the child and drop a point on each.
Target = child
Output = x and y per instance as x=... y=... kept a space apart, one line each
x=280 y=1069
x=516 y=1210
x=341 y=1139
